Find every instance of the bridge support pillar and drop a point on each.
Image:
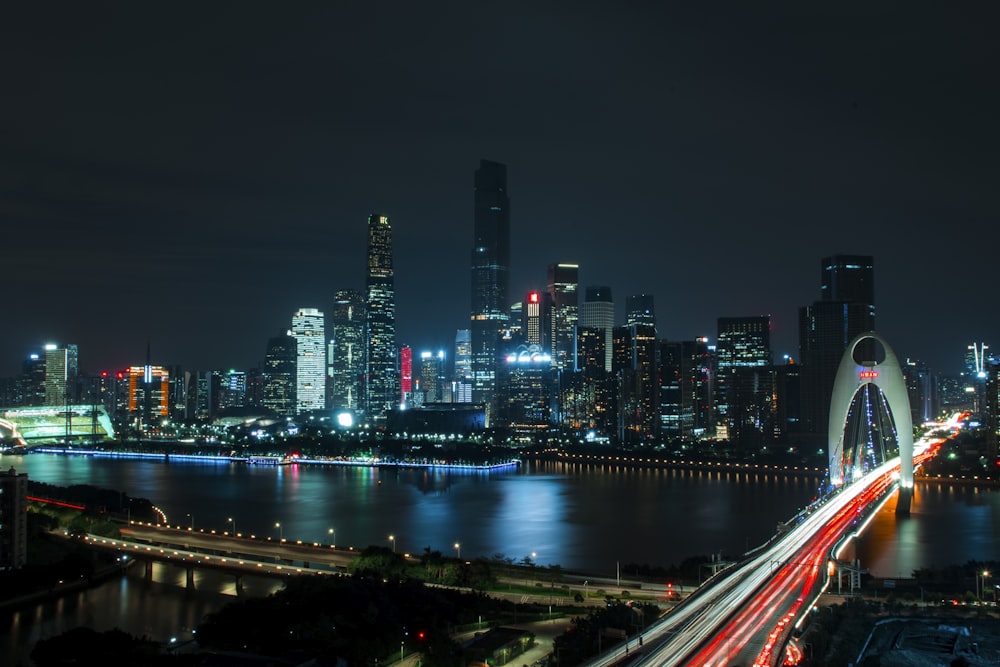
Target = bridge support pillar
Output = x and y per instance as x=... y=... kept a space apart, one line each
x=903 y=501
x=239 y=585
x=190 y=578
x=149 y=570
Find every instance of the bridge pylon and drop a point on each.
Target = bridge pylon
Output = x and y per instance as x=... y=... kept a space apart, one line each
x=887 y=376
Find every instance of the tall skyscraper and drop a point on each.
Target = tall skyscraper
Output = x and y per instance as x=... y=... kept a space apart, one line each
x=280 y=360
x=846 y=309
x=598 y=312
x=308 y=328
x=490 y=275
x=405 y=374
x=383 y=383
x=563 y=281
x=346 y=348
x=536 y=320
x=462 y=380
x=639 y=310
x=743 y=343
x=61 y=369
x=13 y=519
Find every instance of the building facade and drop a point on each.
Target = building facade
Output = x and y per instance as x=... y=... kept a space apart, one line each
x=490 y=276
x=346 y=363
x=308 y=329
x=380 y=301
x=563 y=282
x=280 y=376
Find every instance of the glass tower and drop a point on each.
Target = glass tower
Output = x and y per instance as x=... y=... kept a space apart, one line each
x=563 y=282
x=279 y=375
x=490 y=275
x=310 y=364
x=598 y=312
x=346 y=363
x=382 y=386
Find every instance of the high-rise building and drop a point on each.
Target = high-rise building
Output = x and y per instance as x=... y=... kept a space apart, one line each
x=490 y=275
x=639 y=310
x=563 y=281
x=536 y=318
x=346 y=365
x=685 y=389
x=406 y=373
x=432 y=375
x=846 y=309
x=233 y=394
x=148 y=393
x=743 y=343
x=462 y=377
x=308 y=328
x=280 y=377
x=636 y=363
x=61 y=369
x=383 y=382
x=525 y=392
x=13 y=519
x=598 y=312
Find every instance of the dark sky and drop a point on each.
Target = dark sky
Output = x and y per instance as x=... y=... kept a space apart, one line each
x=190 y=174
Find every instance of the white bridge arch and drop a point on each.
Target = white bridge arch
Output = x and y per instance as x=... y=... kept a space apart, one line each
x=888 y=377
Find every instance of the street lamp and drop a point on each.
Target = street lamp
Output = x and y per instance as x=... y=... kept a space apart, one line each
x=191 y=516
x=232 y=521
x=458 y=548
x=982 y=596
x=392 y=541
x=333 y=532
x=281 y=531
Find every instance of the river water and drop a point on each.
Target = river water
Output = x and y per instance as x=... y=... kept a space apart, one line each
x=591 y=518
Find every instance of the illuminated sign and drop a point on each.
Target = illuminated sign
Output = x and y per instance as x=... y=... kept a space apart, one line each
x=533 y=297
x=868 y=375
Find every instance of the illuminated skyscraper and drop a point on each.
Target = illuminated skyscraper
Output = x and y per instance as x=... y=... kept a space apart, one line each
x=462 y=387
x=744 y=384
x=598 y=312
x=346 y=365
x=406 y=373
x=310 y=365
x=562 y=285
x=279 y=375
x=490 y=275
x=536 y=320
x=61 y=367
x=383 y=384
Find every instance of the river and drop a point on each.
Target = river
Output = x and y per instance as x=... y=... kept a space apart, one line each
x=592 y=518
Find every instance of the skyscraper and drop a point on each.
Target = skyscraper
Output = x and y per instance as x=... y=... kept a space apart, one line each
x=563 y=280
x=743 y=352
x=490 y=275
x=598 y=312
x=346 y=348
x=383 y=384
x=462 y=388
x=61 y=369
x=310 y=365
x=279 y=375
x=639 y=310
x=846 y=309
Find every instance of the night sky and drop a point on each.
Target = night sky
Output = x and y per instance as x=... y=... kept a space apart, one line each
x=188 y=175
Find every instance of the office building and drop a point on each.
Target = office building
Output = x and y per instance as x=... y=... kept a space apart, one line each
x=686 y=398
x=346 y=364
x=308 y=329
x=563 y=281
x=744 y=397
x=598 y=312
x=490 y=276
x=462 y=376
x=845 y=310
x=280 y=376
x=148 y=394
x=61 y=369
x=432 y=375
x=639 y=310
x=383 y=379
x=406 y=374
x=525 y=392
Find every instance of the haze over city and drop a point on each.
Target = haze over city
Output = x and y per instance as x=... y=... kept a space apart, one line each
x=188 y=179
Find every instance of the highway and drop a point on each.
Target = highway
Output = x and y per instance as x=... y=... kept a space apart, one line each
x=745 y=614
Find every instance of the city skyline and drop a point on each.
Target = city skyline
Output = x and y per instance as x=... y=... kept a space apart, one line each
x=192 y=198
